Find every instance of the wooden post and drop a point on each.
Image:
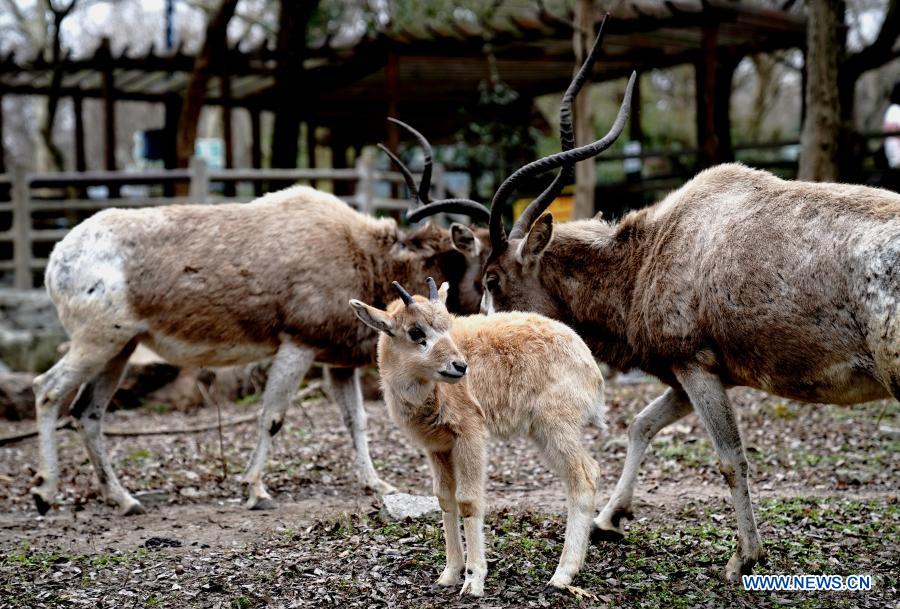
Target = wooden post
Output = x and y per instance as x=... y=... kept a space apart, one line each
x=109 y=116
x=439 y=181
x=635 y=129
x=705 y=82
x=311 y=147
x=21 y=226
x=2 y=148
x=172 y=108
x=392 y=77
x=78 y=114
x=199 y=190
x=339 y=160
x=586 y=172
x=225 y=87
x=256 y=147
x=365 y=184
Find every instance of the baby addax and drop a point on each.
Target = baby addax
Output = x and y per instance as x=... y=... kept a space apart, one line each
x=451 y=382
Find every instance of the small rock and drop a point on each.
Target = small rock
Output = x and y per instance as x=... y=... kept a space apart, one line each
x=620 y=441
x=402 y=505
x=162 y=542
x=632 y=377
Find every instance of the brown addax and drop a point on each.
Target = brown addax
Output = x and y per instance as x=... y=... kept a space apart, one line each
x=737 y=278
x=208 y=285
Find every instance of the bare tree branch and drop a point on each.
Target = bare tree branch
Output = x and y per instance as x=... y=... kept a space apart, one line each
x=879 y=52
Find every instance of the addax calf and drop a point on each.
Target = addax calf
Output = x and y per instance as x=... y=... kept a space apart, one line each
x=213 y=285
x=450 y=383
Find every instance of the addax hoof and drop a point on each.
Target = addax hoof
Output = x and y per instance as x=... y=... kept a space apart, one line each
x=598 y=535
x=264 y=503
x=134 y=509
x=42 y=506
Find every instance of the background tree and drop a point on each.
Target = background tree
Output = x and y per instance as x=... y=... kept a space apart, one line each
x=207 y=62
x=821 y=129
x=828 y=152
x=293 y=99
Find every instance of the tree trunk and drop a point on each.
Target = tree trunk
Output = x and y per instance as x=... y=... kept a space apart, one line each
x=585 y=172
x=293 y=18
x=821 y=129
x=852 y=148
x=54 y=154
x=205 y=64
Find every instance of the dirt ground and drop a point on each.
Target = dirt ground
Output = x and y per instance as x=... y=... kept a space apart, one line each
x=825 y=478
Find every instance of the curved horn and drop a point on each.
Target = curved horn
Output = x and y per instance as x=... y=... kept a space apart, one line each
x=404 y=295
x=476 y=210
x=432 y=289
x=566 y=174
x=422 y=206
x=425 y=182
x=565 y=157
x=567 y=141
x=407 y=176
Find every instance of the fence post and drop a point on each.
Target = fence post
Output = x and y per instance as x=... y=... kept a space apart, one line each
x=365 y=183
x=21 y=232
x=439 y=181
x=199 y=189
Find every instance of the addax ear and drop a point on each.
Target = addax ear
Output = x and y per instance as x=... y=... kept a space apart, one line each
x=372 y=317
x=537 y=240
x=443 y=291
x=464 y=240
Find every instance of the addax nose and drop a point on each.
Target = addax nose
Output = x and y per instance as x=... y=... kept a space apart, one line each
x=460 y=367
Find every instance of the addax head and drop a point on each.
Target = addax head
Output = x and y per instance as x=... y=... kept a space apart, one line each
x=456 y=255
x=417 y=331
x=511 y=275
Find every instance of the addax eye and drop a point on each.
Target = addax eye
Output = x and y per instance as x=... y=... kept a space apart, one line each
x=416 y=335
x=492 y=283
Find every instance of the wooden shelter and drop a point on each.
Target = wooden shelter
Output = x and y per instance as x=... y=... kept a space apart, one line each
x=424 y=76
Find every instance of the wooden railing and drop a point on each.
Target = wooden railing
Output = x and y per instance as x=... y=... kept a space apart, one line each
x=23 y=204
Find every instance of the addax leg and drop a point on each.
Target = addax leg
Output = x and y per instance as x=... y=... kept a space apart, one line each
x=52 y=389
x=661 y=412
x=579 y=472
x=445 y=491
x=88 y=410
x=289 y=367
x=345 y=390
x=469 y=467
x=711 y=402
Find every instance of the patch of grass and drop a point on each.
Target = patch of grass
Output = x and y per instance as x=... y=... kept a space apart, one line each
x=137 y=457
x=156 y=407
x=240 y=602
x=678 y=562
x=104 y=559
x=248 y=400
x=40 y=560
x=692 y=452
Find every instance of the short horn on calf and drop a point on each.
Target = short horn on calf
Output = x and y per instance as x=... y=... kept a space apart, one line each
x=404 y=295
x=432 y=289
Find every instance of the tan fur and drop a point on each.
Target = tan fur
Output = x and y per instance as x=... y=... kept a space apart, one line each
x=737 y=278
x=527 y=375
x=207 y=285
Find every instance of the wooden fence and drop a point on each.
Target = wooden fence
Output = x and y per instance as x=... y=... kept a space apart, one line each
x=24 y=203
